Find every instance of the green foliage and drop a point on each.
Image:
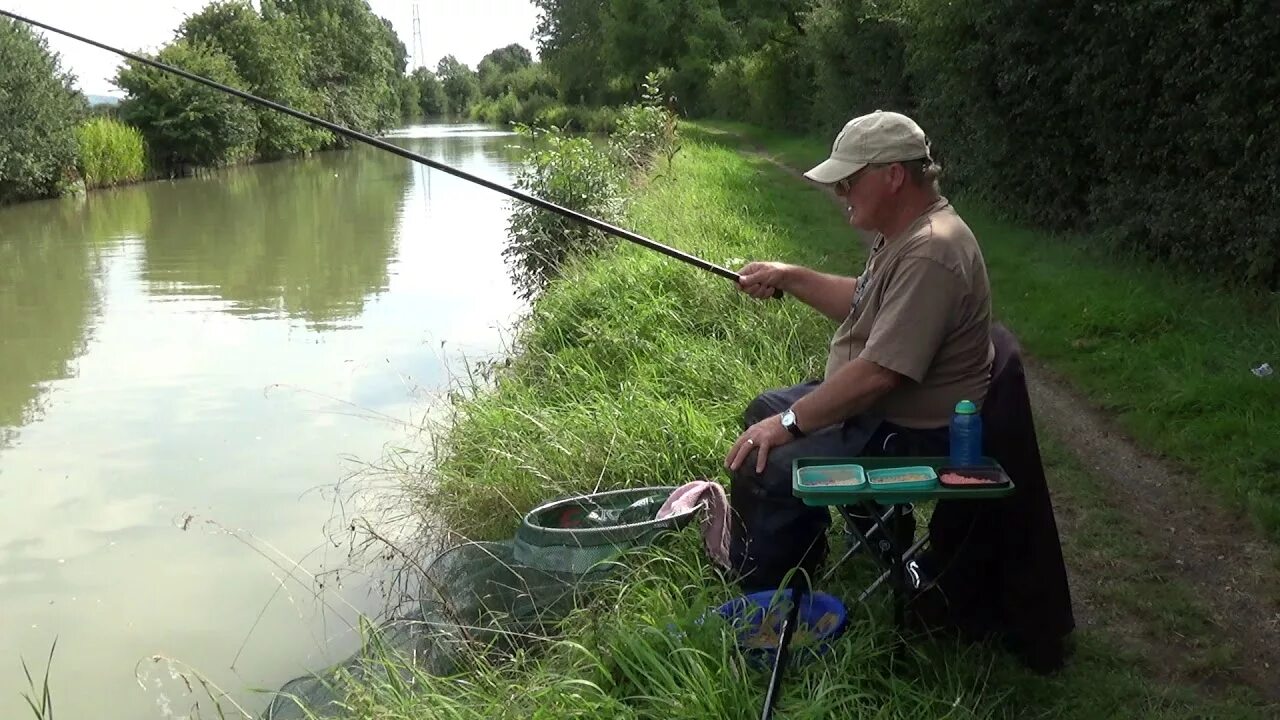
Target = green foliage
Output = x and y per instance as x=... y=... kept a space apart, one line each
x=354 y=60
x=1180 y=101
x=997 y=81
x=432 y=101
x=111 y=152
x=576 y=173
x=858 y=57
x=183 y=122
x=570 y=46
x=646 y=130
x=39 y=109
x=461 y=84
x=779 y=86
x=270 y=55
x=40 y=699
x=497 y=68
x=332 y=58
x=1138 y=120
x=577 y=118
x=510 y=88
x=573 y=173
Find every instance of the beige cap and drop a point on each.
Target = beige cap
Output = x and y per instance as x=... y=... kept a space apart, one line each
x=880 y=137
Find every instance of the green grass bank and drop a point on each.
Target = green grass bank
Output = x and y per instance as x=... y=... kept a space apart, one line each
x=632 y=370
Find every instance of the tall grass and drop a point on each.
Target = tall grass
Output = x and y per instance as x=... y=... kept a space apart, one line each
x=111 y=152
x=648 y=646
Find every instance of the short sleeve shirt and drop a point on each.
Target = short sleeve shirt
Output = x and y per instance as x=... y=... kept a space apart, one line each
x=923 y=310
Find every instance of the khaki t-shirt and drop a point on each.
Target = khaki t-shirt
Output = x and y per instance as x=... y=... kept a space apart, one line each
x=923 y=309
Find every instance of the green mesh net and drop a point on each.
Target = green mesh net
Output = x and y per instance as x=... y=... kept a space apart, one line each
x=480 y=595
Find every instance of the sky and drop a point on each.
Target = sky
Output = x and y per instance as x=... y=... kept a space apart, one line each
x=467 y=29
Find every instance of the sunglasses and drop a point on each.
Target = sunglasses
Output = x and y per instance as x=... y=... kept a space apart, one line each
x=843 y=187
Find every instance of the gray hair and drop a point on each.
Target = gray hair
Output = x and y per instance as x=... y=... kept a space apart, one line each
x=923 y=172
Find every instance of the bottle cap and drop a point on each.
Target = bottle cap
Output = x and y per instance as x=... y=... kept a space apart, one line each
x=965 y=407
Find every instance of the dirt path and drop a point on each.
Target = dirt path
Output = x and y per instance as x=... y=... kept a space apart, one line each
x=1232 y=573
x=1230 y=569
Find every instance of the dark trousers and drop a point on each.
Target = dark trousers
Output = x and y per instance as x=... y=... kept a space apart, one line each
x=773 y=531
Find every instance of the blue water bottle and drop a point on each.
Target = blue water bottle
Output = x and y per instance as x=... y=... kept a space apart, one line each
x=966 y=435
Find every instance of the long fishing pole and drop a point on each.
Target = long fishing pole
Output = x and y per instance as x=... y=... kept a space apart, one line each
x=407 y=154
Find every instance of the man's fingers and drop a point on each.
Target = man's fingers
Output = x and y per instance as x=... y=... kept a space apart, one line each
x=735 y=456
x=761 y=457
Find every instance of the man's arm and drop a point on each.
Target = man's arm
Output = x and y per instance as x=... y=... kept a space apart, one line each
x=831 y=295
x=852 y=389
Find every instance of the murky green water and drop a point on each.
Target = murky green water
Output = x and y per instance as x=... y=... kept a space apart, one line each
x=210 y=353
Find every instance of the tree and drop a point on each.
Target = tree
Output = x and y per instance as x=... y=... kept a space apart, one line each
x=406 y=94
x=185 y=122
x=497 y=68
x=432 y=100
x=461 y=87
x=270 y=55
x=352 y=62
x=39 y=109
x=570 y=45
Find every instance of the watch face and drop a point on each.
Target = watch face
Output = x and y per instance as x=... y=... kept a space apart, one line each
x=789 y=418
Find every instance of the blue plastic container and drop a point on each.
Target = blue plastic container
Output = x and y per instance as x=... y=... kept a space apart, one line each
x=966 y=435
x=748 y=614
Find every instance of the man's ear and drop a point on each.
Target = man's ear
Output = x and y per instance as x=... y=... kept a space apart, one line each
x=897 y=176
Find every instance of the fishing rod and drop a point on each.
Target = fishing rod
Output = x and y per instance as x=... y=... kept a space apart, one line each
x=407 y=154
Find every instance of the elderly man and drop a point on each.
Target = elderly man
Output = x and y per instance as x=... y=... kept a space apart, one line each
x=914 y=340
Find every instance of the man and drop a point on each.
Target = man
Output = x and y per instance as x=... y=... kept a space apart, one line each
x=914 y=339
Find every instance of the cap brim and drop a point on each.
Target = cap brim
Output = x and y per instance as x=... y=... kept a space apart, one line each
x=832 y=171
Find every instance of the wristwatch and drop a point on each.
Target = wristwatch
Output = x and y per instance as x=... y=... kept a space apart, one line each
x=789 y=422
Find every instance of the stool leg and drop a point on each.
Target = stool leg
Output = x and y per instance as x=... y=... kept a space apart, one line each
x=898 y=569
x=863 y=540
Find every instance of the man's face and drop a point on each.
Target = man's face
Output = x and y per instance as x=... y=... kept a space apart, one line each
x=867 y=193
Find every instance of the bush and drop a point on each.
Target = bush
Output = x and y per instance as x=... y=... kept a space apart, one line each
x=779 y=81
x=1139 y=120
x=38 y=113
x=1179 y=103
x=727 y=89
x=573 y=173
x=644 y=131
x=111 y=152
x=498 y=111
x=995 y=80
x=186 y=123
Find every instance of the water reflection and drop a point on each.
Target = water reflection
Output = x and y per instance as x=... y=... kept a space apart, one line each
x=307 y=240
x=49 y=293
x=217 y=347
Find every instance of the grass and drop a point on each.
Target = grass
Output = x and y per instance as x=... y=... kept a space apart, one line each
x=633 y=370
x=644 y=648
x=1168 y=354
x=40 y=699
x=111 y=153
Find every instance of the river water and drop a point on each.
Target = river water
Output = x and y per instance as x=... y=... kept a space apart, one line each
x=185 y=367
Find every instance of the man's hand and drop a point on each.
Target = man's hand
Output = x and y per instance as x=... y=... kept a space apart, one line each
x=761 y=279
x=763 y=437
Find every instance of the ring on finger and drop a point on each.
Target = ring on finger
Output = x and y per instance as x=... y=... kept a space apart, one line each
x=750 y=441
